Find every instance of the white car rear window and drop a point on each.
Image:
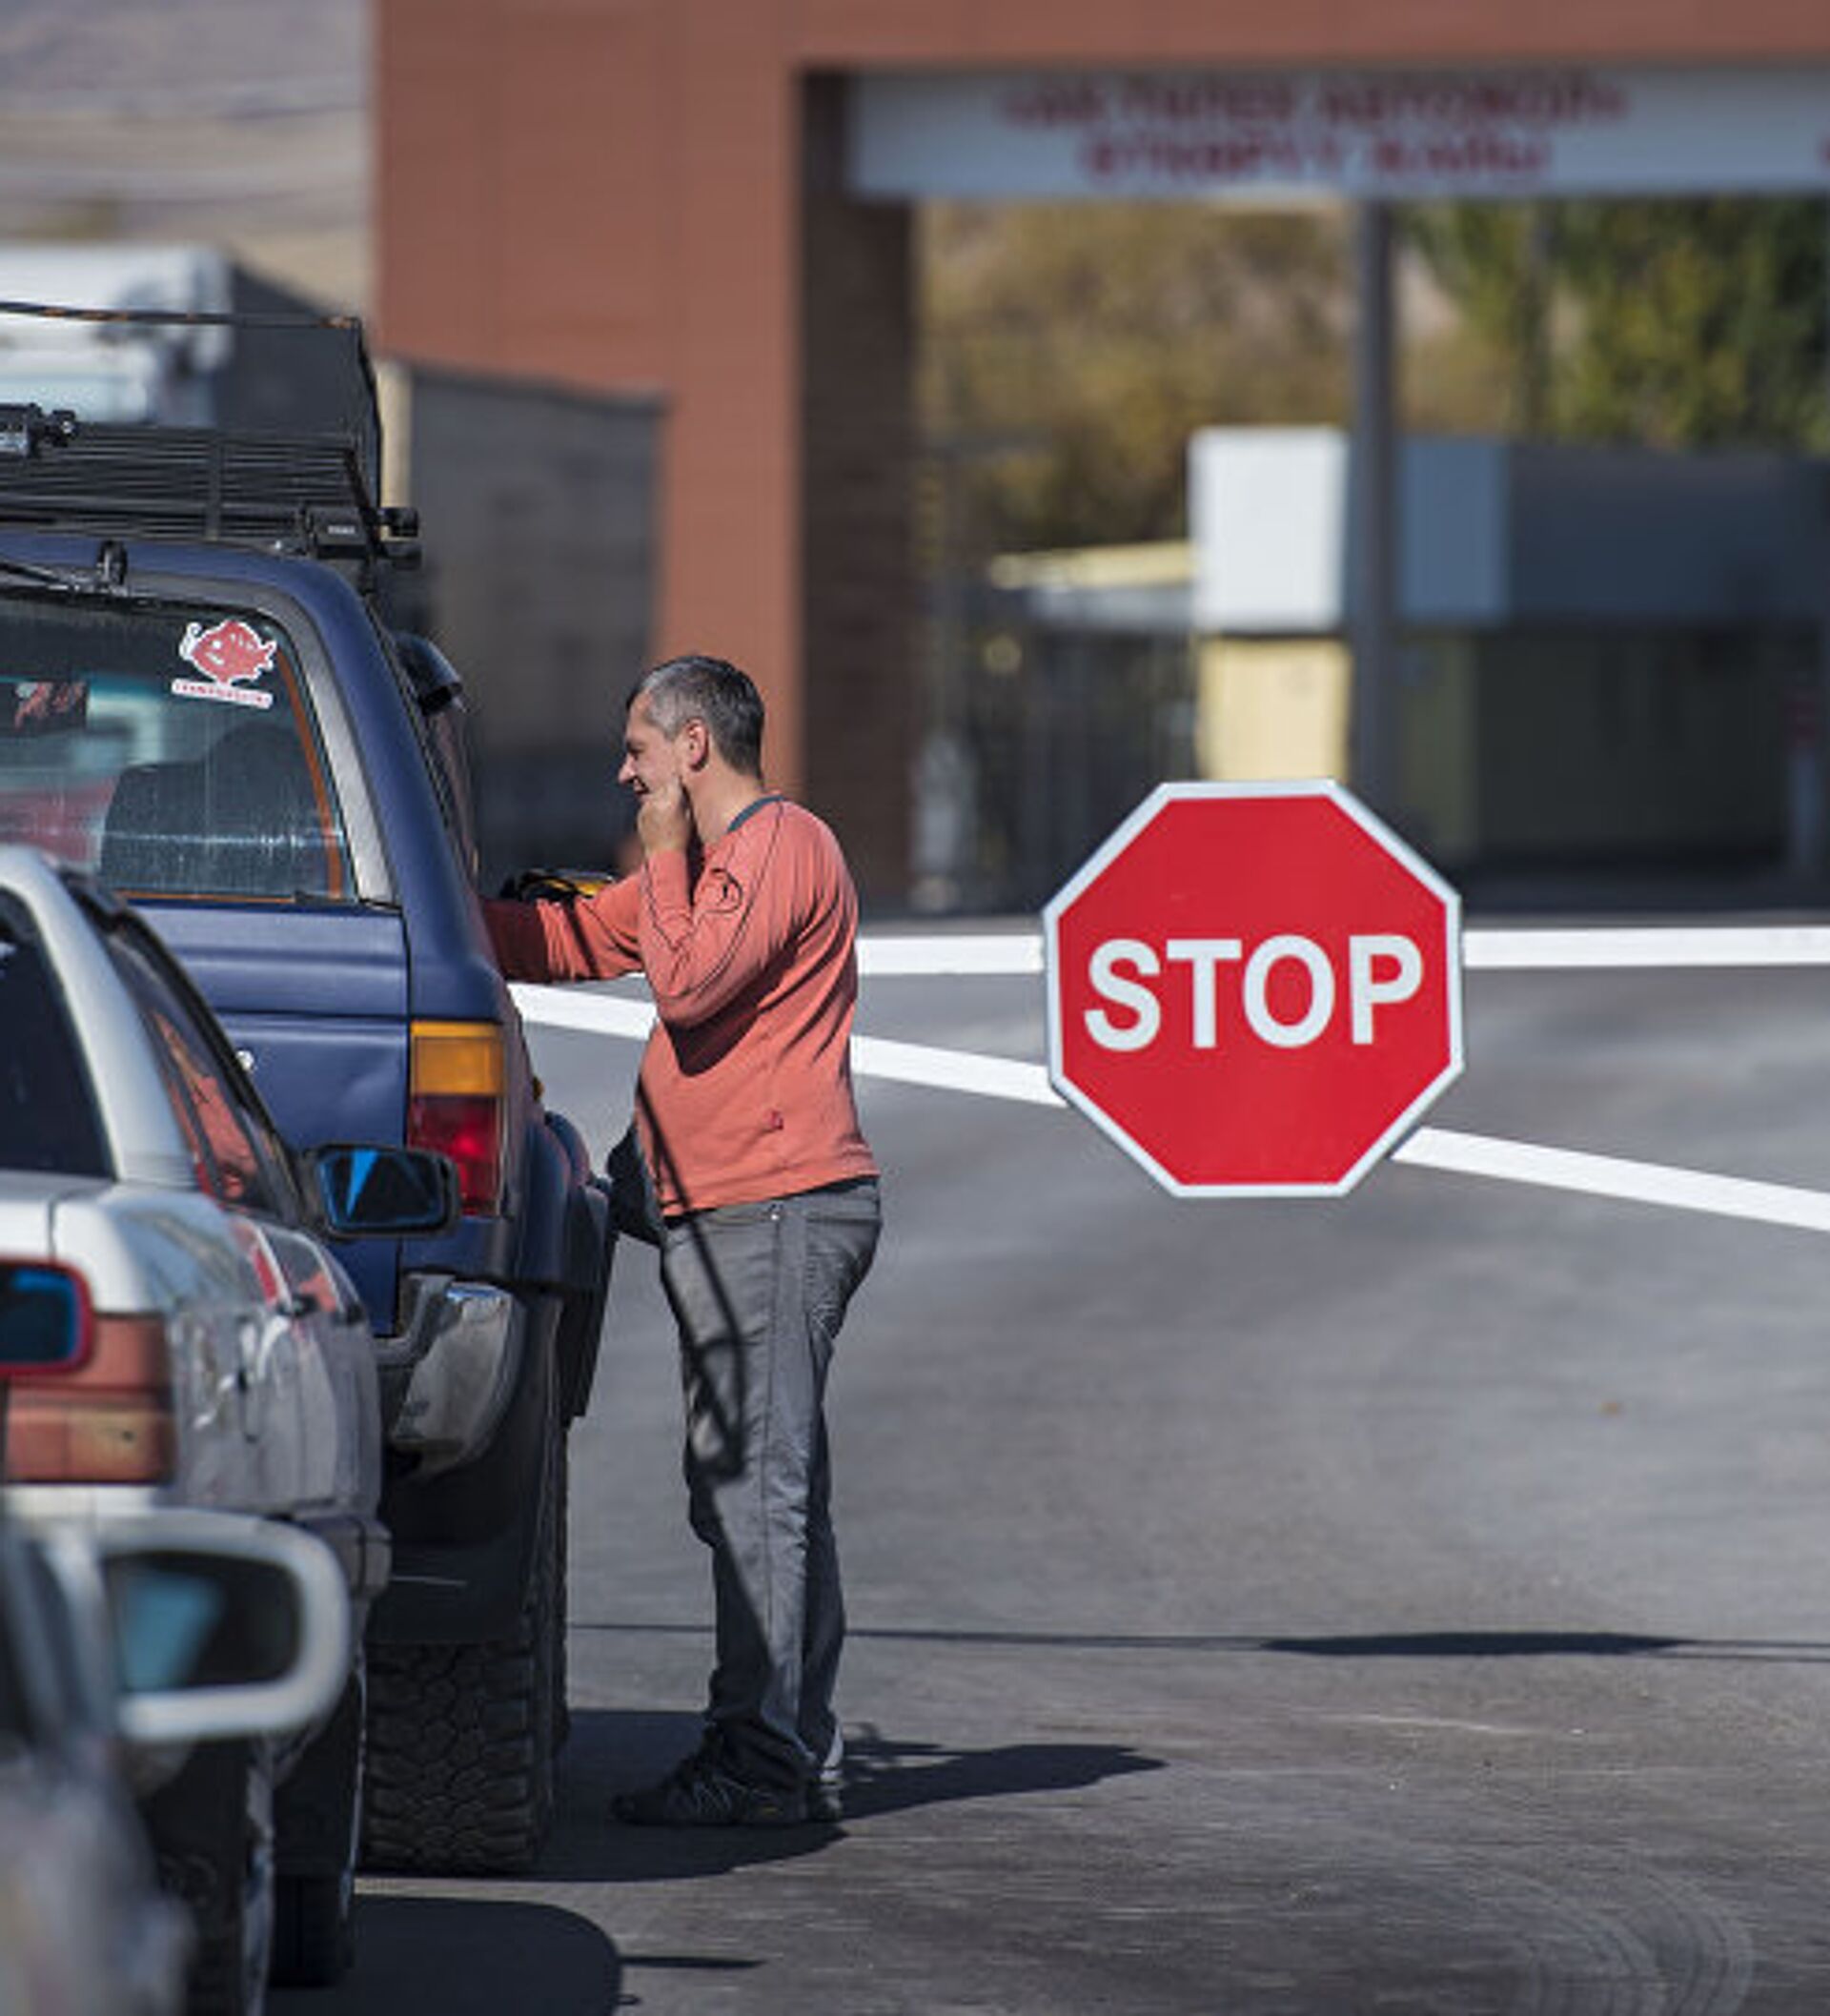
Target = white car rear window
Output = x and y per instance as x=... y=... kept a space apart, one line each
x=47 y=1118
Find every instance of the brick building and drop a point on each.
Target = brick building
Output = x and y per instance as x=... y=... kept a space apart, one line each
x=652 y=196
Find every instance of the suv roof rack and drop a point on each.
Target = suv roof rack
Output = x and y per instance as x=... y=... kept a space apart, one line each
x=313 y=493
x=286 y=493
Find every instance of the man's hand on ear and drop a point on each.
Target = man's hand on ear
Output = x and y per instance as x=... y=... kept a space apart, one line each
x=664 y=819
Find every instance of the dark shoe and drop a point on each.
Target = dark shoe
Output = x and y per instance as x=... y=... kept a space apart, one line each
x=702 y=1792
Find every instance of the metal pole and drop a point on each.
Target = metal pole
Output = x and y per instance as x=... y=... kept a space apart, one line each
x=1373 y=513
x=1808 y=709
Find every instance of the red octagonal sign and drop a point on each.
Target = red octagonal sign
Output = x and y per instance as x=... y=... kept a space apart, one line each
x=1254 y=989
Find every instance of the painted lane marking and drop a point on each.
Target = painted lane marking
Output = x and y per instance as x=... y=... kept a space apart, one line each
x=1000 y=953
x=583 y=1008
x=1609 y=1176
x=953 y=1070
x=578 y=1008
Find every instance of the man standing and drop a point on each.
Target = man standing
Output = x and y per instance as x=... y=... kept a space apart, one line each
x=745 y=920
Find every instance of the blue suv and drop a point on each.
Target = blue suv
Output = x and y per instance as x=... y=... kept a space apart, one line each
x=201 y=702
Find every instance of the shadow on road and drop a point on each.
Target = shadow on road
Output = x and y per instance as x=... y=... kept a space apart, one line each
x=611 y=1751
x=1548 y=1644
x=887 y=1777
x=1381 y=1644
x=1480 y=1644
x=475 y=1956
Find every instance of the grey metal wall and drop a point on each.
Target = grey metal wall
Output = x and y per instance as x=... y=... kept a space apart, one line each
x=538 y=519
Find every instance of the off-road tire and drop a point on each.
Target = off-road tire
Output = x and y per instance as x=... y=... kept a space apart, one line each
x=462 y=1737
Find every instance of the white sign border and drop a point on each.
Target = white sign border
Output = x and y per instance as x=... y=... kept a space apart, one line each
x=1376 y=830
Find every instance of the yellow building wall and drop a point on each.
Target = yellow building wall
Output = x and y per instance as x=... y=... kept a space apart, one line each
x=1271 y=708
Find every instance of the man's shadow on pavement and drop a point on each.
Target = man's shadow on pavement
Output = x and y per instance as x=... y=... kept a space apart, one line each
x=890 y=1777
x=611 y=1751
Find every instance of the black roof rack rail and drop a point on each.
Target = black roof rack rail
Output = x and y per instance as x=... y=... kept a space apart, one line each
x=359 y=404
x=313 y=493
x=279 y=493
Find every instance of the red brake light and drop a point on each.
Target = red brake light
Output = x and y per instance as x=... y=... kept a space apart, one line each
x=454 y=1103
x=469 y=1130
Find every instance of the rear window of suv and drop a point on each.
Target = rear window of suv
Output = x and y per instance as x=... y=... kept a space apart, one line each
x=169 y=750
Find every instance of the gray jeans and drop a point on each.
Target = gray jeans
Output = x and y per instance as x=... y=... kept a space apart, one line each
x=758 y=1291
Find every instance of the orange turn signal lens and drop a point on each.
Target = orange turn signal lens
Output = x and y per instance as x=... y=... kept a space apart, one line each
x=459 y=1059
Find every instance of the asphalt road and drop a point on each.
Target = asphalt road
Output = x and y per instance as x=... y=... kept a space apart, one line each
x=1418 y=1602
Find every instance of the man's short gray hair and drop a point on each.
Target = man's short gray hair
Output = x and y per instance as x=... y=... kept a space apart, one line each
x=713 y=690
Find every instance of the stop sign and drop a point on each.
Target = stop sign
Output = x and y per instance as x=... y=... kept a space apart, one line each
x=1254 y=989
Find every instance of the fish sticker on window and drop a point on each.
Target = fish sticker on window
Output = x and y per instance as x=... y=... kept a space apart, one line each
x=227 y=653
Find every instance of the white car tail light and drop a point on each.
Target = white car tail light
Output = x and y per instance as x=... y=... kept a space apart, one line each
x=109 y=1422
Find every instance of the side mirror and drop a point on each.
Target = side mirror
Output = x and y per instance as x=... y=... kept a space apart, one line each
x=46 y=1324
x=223 y=1626
x=383 y=1193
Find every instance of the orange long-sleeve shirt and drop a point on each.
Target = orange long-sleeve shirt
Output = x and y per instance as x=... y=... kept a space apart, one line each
x=750 y=953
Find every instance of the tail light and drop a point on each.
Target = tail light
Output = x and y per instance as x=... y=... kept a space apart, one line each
x=109 y=1422
x=454 y=1103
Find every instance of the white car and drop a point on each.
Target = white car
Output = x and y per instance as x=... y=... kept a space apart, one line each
x=118 y=1641
x=231 y=1364
x=84 y=1927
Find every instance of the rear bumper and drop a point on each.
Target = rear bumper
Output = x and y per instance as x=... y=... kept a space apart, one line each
x=464 y=1537
x=448 y=1377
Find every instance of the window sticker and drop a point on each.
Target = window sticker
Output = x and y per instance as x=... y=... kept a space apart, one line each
x=227 y=653
x=40 y=705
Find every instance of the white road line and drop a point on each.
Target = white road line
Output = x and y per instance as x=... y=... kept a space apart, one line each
x=1609 y=1176
x=1483 y=950
x=1006 y=952
x=578 y=1008
x=574 y=1008
x=953 y=1070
